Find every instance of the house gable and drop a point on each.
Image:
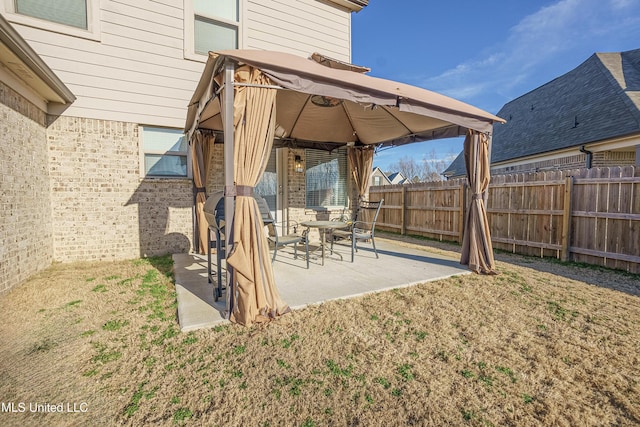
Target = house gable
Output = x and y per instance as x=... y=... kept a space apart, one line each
x=378 y=173
x=624 y=69
x=398 y=178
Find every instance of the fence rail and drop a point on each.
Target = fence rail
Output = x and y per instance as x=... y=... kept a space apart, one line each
x=584 y=215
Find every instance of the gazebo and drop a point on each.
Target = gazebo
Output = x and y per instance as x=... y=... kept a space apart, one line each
x=287 y=100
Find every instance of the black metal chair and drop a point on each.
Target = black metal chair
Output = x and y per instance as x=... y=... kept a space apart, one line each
x=284 y=240
x=363 y=227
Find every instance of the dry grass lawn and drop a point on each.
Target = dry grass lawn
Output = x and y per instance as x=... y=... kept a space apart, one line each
x=543 y=343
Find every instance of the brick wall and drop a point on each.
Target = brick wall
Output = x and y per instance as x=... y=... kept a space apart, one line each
x=569 y=162
x=215 y=178
x=577 y=161
x=165 y=221
x=296 y=189
x=614 y=158
x=102 y=209
x=25 y=213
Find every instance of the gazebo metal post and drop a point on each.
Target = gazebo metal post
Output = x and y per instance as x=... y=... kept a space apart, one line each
x=229 y=193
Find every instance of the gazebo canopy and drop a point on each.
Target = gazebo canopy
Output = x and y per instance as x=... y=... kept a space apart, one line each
x=324 y=101
x=258 y=97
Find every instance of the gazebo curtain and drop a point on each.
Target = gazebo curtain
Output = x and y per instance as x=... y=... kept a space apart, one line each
x=477 y=251
x=256 y=296
x=200 y=145
x=361 y=162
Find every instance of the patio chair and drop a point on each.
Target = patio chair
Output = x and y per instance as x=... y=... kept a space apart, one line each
x=363 y=227
x=284 y=240
x=345 y=232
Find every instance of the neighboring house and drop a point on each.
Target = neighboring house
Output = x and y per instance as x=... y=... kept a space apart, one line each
x=589 y=117
x=378 y=177
x=99 y=137
x=398 y=178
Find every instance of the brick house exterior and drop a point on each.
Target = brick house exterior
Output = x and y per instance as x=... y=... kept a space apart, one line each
x=27 y=90
x=75 y=180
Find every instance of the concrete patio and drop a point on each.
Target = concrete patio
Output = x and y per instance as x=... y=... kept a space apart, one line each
x=398 y=266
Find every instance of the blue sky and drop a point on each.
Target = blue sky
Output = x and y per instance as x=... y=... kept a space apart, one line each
x=485 y=53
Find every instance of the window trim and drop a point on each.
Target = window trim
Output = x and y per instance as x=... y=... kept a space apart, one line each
x=189 y=46
x=93 y=31
x=143 y=152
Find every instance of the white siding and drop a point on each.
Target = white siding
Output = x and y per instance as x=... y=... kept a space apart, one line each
x=137 y=71
x=298 y=27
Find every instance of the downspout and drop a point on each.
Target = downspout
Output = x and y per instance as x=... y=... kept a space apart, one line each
x=589 y=156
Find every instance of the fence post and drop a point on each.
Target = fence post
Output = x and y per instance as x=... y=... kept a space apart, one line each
x=461 y=216
x=566 y=219
x=403 y=211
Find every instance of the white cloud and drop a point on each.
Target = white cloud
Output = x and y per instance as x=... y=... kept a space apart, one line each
x=537 y=46
x=622 y=4
x=464 y=92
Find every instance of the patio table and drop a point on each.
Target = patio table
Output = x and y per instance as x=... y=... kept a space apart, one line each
x=322 y=227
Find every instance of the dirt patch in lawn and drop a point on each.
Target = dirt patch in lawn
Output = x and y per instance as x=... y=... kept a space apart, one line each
x=542 y=343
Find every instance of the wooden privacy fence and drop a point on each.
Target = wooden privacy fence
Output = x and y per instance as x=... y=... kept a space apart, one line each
x=583 y=215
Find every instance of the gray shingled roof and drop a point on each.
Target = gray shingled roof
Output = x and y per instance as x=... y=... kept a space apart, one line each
x=457 y=167
x=598 y=100
x=393 y=175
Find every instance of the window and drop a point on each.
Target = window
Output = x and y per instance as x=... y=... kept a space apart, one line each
x=66 y=12
x=165 y=152
x=326 y=177
x=376 y=180
x=74 y=17
x=211 y=26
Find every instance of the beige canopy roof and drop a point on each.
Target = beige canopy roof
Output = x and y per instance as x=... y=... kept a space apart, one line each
x=274 y=95
x=339 y=105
